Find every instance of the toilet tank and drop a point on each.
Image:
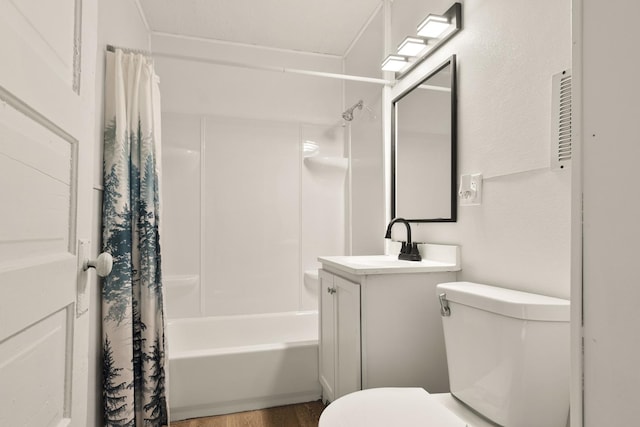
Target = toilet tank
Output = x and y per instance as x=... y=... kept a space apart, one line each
x=508 y=353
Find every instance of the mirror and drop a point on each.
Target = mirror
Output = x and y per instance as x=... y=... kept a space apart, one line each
x=423 y=149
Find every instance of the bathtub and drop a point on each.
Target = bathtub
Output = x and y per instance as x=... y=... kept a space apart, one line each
x=220 y=365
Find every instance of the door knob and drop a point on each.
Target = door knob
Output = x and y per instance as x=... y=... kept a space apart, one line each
x=103 y=264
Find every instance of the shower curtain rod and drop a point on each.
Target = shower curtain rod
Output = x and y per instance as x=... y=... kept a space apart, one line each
x=112 y=48
x=273 y=68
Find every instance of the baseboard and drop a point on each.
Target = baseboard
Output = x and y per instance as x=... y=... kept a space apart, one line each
x=229 y=407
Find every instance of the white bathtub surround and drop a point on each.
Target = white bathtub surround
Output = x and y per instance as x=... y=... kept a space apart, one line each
x=279 y=211
x=182 y=295
x=322 y=202
x=311 y=282
x=227 y=364
x=241 y=190
x=251 y=194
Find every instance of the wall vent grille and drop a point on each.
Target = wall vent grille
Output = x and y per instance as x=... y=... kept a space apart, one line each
x=561 y=131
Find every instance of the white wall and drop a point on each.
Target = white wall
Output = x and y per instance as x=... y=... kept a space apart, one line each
x=119 y=24
x=266 y=214
x=227 y=91
x=506 y=60
x=520 y=236
x=611 y=210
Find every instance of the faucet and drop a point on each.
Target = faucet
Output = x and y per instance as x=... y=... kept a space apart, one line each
x=409 y=250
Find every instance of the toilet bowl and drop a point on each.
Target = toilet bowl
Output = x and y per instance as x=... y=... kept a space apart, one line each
x=508 y=360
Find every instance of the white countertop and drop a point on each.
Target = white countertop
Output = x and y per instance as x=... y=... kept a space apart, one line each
x=436 y=258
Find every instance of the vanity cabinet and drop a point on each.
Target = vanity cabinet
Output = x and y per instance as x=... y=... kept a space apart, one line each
x=380 y=327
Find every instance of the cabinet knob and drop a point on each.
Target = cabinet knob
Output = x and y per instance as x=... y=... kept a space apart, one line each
x=331 y=290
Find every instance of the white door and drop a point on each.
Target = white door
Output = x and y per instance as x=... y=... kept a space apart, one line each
x=348 y=343
x=327 y=336
x=611 y=213
x=46 y=141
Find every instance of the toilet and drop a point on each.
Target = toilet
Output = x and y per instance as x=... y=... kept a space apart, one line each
x=508 y=360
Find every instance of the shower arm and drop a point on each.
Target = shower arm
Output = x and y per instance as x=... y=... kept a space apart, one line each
x=348 y=113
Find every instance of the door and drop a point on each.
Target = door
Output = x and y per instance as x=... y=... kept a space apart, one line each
x=340 y=363
x=47 y=130
x=348 y=344
x=611 y=210
x=327 y=336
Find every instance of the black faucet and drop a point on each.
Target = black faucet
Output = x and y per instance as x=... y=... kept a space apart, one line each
x=409 y=250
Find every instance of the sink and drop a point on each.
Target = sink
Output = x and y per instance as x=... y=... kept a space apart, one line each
x=435 y=258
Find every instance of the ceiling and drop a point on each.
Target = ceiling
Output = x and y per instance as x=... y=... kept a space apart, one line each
x=319 y=26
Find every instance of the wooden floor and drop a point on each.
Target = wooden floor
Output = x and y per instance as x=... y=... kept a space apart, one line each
x=300 y=415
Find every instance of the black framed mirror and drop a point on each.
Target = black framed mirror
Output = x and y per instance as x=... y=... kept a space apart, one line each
x=424 y=148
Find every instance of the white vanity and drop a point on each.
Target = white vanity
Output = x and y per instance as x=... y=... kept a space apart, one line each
x=380 y=321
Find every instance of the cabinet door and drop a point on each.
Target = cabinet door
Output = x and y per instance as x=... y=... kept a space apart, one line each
x=347 y=307
x=327 y=336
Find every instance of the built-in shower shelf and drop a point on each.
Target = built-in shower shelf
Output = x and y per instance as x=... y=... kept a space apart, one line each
x=333 y=162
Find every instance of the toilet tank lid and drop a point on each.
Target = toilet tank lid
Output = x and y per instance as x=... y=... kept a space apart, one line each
x=507 y=302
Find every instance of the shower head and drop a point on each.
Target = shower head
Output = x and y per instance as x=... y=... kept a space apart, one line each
x=348 y=113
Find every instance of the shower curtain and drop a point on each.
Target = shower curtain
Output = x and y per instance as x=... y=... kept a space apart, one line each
x=134 y=365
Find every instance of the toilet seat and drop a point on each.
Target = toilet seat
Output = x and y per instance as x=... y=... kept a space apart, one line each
x=384 y=407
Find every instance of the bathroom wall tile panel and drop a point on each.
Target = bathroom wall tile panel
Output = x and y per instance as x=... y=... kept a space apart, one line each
x=181 y=193
x=181 y=233
x=252 y=215
x=322 y=213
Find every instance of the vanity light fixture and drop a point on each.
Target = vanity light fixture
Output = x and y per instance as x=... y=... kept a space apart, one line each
x=413 y=46
x=433 y=26
x=395 y=63
x=433 y=32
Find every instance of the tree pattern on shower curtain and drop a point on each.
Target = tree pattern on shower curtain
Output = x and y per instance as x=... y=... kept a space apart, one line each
x=134 y=362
